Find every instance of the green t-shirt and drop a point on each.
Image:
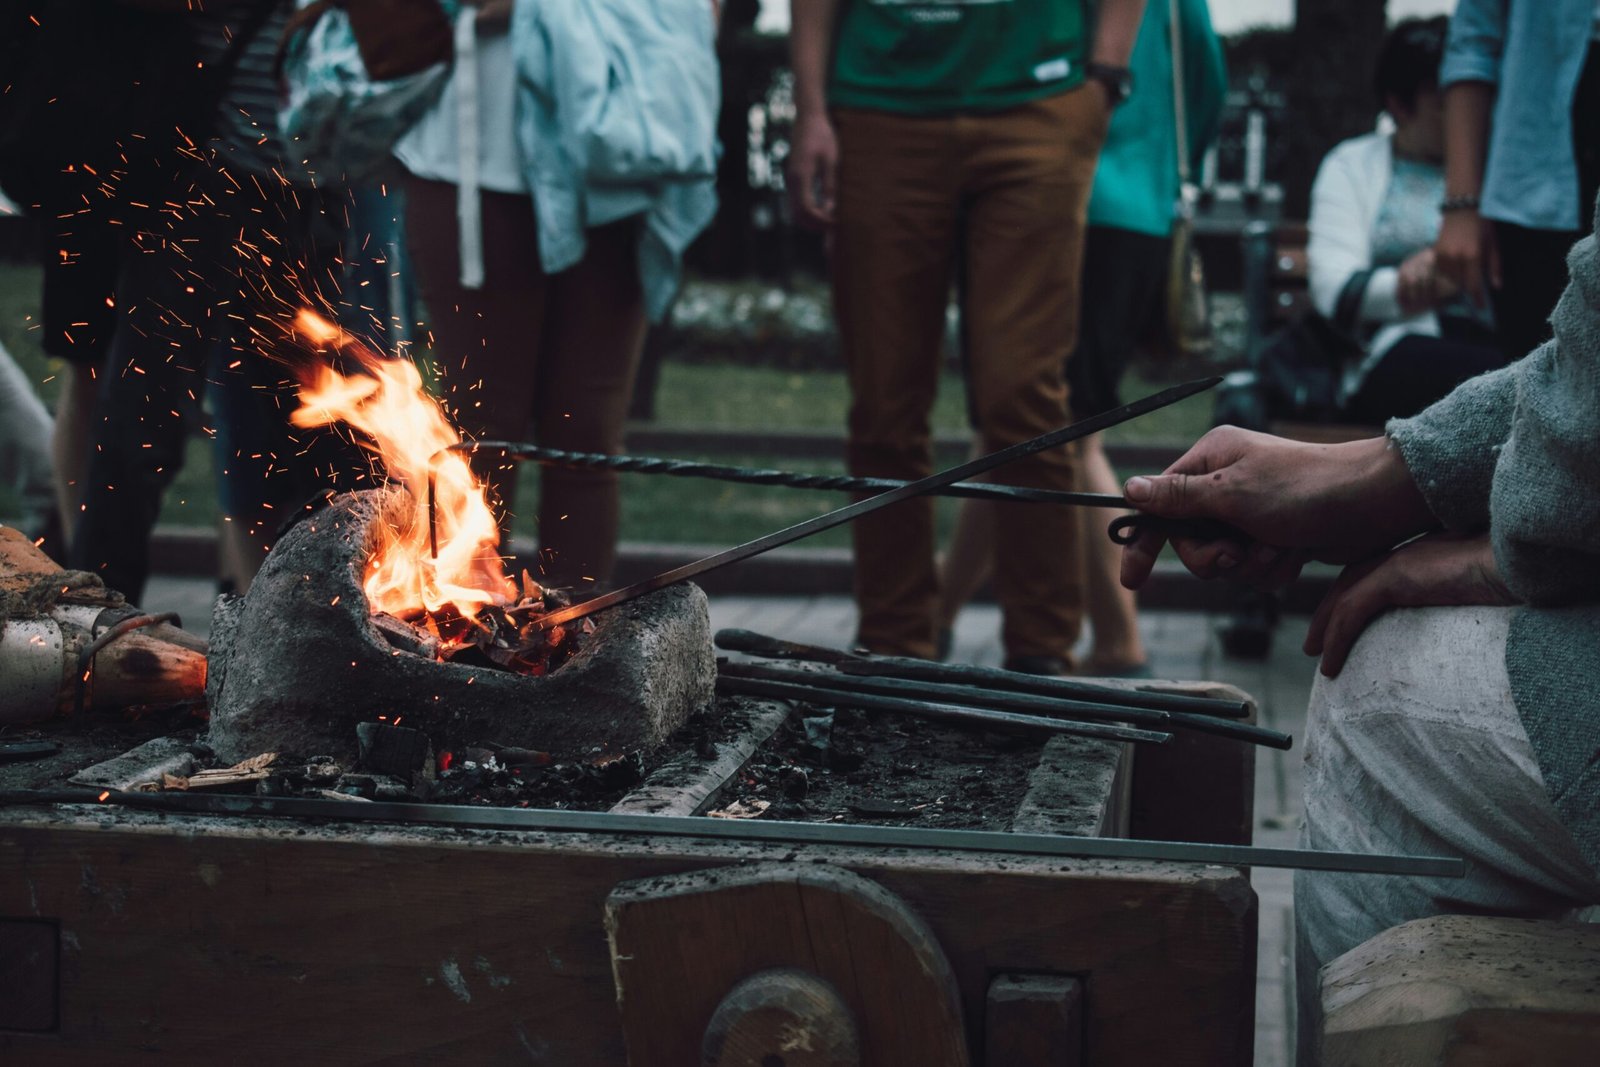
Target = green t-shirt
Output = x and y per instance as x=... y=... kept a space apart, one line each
x=935 y=56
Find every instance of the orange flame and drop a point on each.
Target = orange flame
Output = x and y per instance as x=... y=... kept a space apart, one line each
x=409 y=432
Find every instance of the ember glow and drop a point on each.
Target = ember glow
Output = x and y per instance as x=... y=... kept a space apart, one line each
x=385 y=400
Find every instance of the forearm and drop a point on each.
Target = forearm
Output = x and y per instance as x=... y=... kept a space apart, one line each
x=810 y=43
x=1467 y=107
x=1115 y=29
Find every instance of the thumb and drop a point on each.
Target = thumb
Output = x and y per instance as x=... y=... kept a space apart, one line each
x=1177 y=496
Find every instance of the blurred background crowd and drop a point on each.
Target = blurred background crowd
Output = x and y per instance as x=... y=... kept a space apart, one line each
x=881 y=233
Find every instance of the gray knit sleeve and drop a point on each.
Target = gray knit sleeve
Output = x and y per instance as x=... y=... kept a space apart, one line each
x=1451 y=448
x=1545 y=504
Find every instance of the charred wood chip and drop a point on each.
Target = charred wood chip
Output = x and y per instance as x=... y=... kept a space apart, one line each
x=882 y=809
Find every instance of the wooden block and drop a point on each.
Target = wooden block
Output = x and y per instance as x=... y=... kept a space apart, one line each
x=1196 y=787
x=1034 y=1020
x=689 y=784
x=680 y=944
x=1465 y=991
x=1078 y=789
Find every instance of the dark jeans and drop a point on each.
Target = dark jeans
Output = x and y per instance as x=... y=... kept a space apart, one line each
x=1415 y=373
x=201 y=310
x=1533 y=263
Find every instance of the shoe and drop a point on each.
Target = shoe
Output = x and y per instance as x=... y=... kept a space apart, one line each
x=1049 y=666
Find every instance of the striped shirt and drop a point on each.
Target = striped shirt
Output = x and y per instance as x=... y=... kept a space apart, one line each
x=246 y=132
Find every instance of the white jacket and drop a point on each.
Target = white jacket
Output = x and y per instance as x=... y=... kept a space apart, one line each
x=1345 y=199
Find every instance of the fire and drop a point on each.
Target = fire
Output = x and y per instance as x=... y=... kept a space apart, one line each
x=407 y=429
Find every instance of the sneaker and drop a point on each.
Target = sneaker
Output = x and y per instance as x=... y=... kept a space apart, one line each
x=1052 y=666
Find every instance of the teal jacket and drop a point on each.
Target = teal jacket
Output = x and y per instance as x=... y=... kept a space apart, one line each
x=1136 y=183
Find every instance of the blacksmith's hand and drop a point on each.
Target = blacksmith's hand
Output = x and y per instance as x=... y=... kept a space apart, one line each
x=813 y=167
x=1467 y=254
x=1294 y=501
x=1439 y=570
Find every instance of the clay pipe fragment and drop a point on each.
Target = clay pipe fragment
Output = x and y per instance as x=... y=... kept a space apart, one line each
x=1027 y=703
x=755 y=644
x=981 y=718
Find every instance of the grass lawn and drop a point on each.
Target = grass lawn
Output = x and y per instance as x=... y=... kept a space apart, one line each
x=654 y=508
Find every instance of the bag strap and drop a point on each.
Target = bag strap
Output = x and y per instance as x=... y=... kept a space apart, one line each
x=1180 y=124
x=1347 y=309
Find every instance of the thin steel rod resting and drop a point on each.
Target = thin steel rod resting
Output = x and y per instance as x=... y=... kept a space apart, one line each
x=535 y=820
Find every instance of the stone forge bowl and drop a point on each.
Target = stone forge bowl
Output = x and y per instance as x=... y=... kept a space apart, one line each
x=297 y=662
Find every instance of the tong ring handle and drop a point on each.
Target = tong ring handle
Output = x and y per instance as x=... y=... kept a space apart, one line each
x=1127 y=529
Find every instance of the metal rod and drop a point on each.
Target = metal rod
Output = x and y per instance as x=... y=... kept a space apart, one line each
x=838 y=517
x=852 y=663
x=433 y=518
x=683 y=468
x=982 y=718
x=1026 y=703
x=538 y=820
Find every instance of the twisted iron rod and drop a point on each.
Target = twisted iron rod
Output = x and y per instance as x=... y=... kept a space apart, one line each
x=683 y=468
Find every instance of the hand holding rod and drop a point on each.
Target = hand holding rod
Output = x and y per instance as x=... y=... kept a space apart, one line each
x=838 y=517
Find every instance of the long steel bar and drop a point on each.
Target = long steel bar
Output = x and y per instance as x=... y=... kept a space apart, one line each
x=959 y=473
x=832 y=834
x=683 y=468
x=1023 y=703
x=733 y=640
x=958 y=715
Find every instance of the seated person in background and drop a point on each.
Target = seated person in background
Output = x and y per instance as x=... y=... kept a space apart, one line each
x=1374 y=218
x=1465 y=722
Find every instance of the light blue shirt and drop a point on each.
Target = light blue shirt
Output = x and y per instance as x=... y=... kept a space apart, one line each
x=1533 y=52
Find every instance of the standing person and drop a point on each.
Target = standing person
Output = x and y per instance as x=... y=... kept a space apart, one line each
x=1128 y=249
x=206 y=287
x=910 y=117
x=1522 y=155
x=543 y=239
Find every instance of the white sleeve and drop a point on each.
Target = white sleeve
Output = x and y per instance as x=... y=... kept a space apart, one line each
x=1341 y=238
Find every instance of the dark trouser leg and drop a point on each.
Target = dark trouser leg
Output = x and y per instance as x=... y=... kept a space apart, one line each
x=1533 y=266
x=1121 y=297
x=1416 y=372
x=145 y=411
x=893 y=251
x=1028 y=191
x=485 y=342
x=593 y=336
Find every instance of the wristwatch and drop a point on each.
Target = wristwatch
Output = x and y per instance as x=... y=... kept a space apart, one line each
x=1117 y=80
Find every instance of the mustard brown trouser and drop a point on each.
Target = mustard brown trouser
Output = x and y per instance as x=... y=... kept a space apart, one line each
x=1012 y=187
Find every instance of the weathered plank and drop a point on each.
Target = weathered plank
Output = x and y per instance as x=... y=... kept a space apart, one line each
x=689 y=783
x=278 y=942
